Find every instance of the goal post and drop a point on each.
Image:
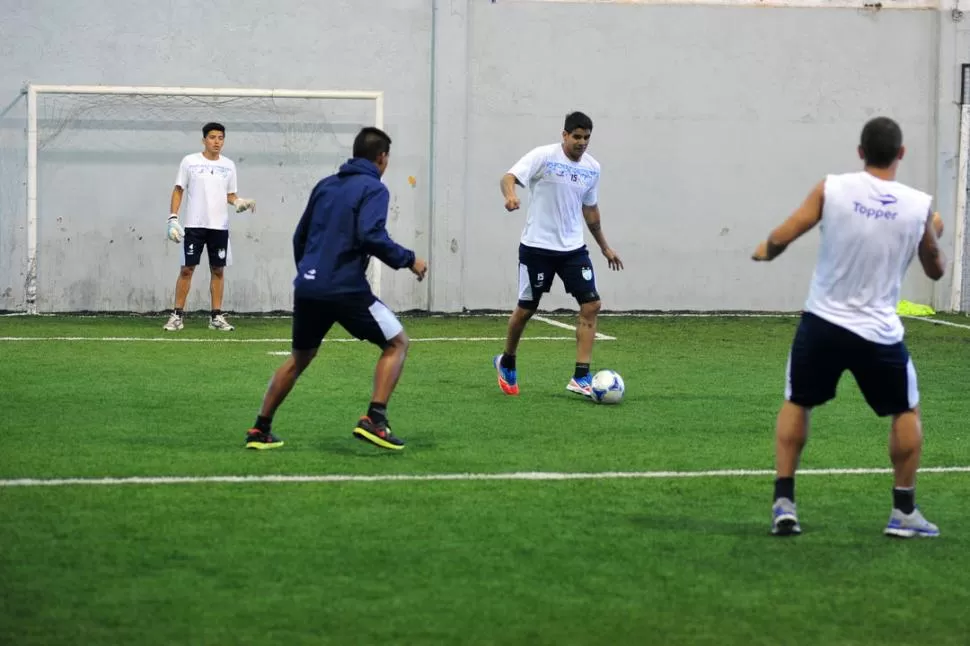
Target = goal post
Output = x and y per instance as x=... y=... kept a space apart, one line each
x=960 y=285
x=213 y=99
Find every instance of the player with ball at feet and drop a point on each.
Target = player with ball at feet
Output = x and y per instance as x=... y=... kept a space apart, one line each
x=564 y=183
x=208 y=181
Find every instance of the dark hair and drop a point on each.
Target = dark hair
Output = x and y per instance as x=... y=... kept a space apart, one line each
x=880 y=141
x=577 y=120
x=212 y=125
x=370 y=142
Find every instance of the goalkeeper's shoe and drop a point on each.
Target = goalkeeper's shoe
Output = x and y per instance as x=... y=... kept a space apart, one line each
x=219 y=322
x=506 y=377
x=378 y=434
x=581 y=385
x=784 y=519
x=261 y=440
x=910 y=525
x=174 y=323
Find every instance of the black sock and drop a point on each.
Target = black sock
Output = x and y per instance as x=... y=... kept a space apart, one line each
x=263 y=423
x=785 y=488
x=179 y=311
x=507 y=361
x=904 y=499
x=582 y=369
x=377 y=413
x=216 y=313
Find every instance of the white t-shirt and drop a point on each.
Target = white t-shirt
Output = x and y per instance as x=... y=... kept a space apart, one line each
x=870 y=232
x=559 y=188
x=206 y=184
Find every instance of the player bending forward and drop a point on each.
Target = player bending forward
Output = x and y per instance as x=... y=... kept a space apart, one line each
x=871 y=227
x=208 y=181
x=342 y=226
x=564 y=180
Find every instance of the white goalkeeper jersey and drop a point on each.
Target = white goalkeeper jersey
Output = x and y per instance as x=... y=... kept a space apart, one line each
x=559 y=188
x=870 y=231
x=206 y=183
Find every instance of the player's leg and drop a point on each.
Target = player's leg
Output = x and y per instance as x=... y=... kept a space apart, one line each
x=191 y=252
x=217 y=244
x=887 y=378
x=311 y=322
x=368 y=319
x=535 y=278
x=579 y=279
x=815 y=364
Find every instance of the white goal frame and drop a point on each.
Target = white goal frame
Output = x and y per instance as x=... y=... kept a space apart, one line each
x=959 y=228
x=33 y=90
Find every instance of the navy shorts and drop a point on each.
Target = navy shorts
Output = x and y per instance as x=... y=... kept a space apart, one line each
x=364 y=317
x=539 y=267
x=821 y=351
x=215 y=241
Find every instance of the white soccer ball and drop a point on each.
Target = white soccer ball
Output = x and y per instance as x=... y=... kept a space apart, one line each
x=608 y=387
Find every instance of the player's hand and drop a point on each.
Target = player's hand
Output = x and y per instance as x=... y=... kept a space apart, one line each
x=612 y=259
x=419 y=268
x=242 y=204
x=938 y=224
x=512 y=203
x=175 y=231
x=760 y=252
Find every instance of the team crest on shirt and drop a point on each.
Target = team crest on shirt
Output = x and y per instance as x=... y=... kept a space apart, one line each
x=885 y=198
x=566 y=174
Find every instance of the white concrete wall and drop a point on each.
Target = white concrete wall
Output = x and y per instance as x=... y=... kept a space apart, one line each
x=711 y=123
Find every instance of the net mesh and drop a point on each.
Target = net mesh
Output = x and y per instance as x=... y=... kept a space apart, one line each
x=106 y=168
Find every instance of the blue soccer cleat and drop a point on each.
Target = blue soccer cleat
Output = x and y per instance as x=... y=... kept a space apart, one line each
x=581 y=386
x=506 y=378
x=784 y=519
x=910 y=525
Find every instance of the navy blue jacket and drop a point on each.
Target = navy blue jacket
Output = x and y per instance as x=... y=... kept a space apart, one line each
x=342 y=227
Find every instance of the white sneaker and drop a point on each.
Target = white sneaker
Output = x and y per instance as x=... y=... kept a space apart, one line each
x=174 y=323
x=910 y=525
x=219 y=322
x=784 y=519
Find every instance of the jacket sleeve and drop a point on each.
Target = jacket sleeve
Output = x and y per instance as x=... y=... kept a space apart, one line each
x=303 y=230
x=372 y=231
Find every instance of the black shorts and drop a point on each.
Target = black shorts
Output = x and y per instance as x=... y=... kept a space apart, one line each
x=364 y=317
x=821 y=351
x=538 y=268
x=216 y=242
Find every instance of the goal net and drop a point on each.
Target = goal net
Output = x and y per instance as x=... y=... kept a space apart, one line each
x=102 y=163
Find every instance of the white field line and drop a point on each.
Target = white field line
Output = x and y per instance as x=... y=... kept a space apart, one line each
x=726 y=315
x=286 y=353
x=522 y=476
x=937 y=322
x=567 y=326
x=134 y=339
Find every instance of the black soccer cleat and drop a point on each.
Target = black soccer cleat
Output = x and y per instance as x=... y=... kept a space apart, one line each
x=377 y=434
x=261 y=440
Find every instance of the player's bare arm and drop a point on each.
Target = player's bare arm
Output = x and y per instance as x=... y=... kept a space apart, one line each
x=176 y=202
x=592 y=216
x=798 y=223
x=930 y=254
x=508 y=192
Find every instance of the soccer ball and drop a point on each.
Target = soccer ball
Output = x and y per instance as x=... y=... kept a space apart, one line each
x=608 y=387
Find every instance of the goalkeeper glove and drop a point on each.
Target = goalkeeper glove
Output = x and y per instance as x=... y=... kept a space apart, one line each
x=242 y=204
x=175 y=231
